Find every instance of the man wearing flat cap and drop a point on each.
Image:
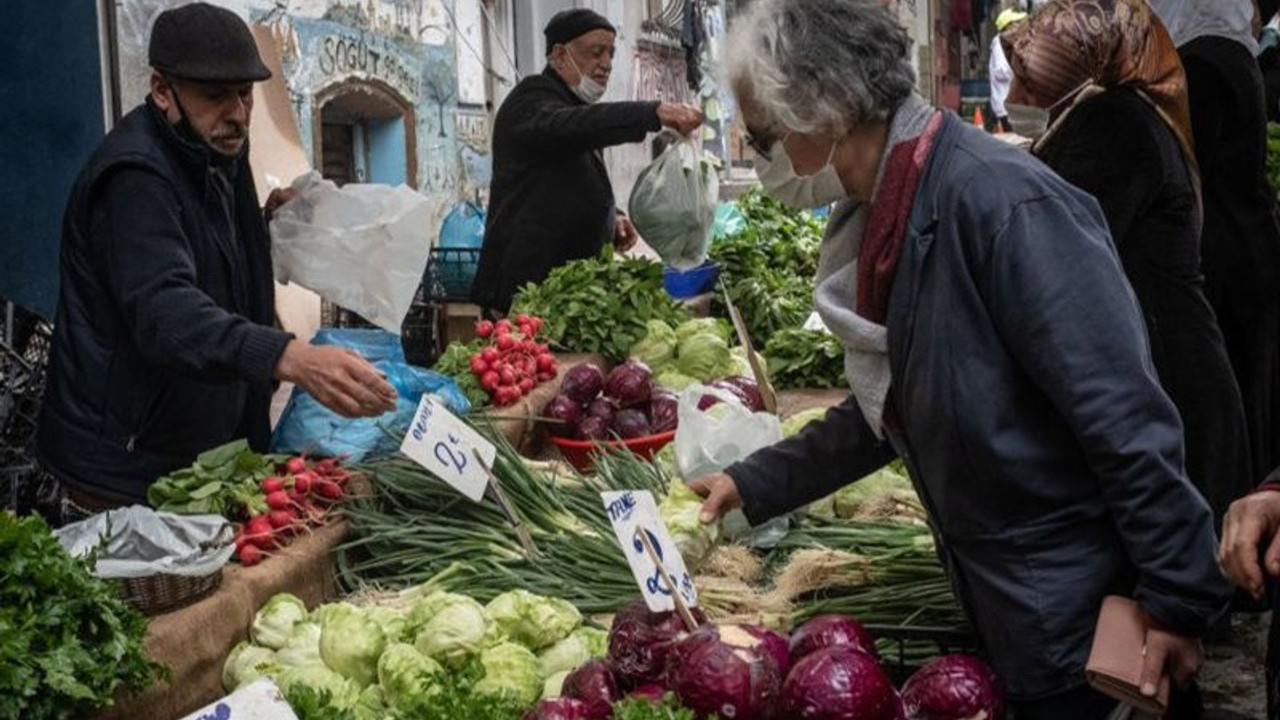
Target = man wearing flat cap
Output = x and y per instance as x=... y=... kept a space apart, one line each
x=164 y=341
x=550 y=200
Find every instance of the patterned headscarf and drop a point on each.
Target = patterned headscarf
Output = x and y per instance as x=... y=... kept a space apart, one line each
x=1070 y=49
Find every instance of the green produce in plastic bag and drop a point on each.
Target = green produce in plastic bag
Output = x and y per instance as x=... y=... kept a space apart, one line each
x=658 y=345
x=673 y=204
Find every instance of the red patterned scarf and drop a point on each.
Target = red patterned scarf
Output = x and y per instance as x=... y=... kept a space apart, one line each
x=887 y=223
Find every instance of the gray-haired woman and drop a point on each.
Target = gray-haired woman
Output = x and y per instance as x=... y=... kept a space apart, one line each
x=992 y=342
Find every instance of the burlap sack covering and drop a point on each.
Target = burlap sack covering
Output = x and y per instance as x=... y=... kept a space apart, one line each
x=194 y=641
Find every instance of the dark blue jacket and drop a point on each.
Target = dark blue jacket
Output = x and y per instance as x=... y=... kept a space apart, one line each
x=550 y=201
x=163 y=341
x=1032 y=422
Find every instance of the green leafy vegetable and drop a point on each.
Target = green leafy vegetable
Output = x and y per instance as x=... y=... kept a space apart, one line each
x=511 y=671
x=601 y=305
x=455 y=362
x=68 y=641
x=222 y=481
x=643 y=709
x=532 y=620
x=274 y=622
x=800 y=358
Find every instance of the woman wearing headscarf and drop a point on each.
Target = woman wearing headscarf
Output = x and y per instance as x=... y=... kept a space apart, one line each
x=1240 y=245
x=1120 y=129
x=991 y=342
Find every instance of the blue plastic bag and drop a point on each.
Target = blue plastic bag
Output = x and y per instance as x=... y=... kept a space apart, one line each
x=373 y=345
x=307 y=426
x=463 y=227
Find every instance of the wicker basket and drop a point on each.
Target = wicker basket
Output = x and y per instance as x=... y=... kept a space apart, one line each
x=161 y=593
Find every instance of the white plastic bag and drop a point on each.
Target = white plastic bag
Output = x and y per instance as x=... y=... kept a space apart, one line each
x=673 y=204
x=140 y=542
x=361 y=247
x=710 y=440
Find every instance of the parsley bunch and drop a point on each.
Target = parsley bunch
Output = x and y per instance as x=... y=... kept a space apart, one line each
x=68 y=641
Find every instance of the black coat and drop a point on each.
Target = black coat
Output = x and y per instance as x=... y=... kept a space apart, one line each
x=163 y=342
x=1241 y=240
x=1115 y=147
x=550 y=200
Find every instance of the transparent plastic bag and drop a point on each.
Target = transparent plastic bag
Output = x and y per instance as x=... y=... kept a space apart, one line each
x=710 y=440
x=673 y=204
x=361 y=247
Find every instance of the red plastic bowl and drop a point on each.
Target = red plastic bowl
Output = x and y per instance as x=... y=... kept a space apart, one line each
x=580 y=453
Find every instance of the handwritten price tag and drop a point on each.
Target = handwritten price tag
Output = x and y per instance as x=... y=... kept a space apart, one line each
x=440 y=442
x=633 y=513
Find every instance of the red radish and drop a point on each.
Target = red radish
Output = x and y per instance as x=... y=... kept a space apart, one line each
x=249 y=555
x=479 y=366
x=546 y=362
x=503 y=326
x=484 y=328
x=329 y=490
x=526 y=384
x=490 y=381
x=522 y=319
x=489 y=355
x=506 y=342
x=301 y=485
x=312 y=512
x=507 y=377
x=281 y=518
x=278 y=500
x=325 y=466
x=272 y=484
x=295 y=465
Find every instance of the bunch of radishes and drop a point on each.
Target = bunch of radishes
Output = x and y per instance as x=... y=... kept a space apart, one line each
x=514 y=362
x=298 y=497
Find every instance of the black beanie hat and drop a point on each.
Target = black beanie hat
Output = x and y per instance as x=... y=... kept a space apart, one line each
x=205 y=43
x=566 y=25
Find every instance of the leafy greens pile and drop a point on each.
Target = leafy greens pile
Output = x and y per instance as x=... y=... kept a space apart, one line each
x=223 y=481
x=455 y=362
x=800 y=358
x=769 y=267
x=68 y=641
x=601 y=305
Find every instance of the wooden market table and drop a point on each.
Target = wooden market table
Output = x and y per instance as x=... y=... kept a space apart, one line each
x=194 y=641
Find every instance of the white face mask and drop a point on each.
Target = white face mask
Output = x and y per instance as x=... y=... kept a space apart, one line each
x=1028 y=121
x=802 y=192
x=587 y=88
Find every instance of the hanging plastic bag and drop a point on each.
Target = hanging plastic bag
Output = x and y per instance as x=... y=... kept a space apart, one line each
x=673 y=204
x=361 y=247
x=710 y=440
x=373 y=345
x=458 y=259
x=306 y=426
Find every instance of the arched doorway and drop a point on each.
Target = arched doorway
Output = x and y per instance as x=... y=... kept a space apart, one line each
x=365 y=132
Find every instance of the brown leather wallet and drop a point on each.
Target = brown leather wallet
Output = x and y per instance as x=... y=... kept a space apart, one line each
x=1115 y=663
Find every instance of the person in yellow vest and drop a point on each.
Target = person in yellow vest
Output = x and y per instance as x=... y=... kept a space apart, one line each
x=998 y=71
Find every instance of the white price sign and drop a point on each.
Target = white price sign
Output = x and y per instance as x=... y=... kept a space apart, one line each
x=634 y=513
x=440 y=442
x=259 y=701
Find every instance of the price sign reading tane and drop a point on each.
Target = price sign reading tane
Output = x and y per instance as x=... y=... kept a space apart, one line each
x=440 y=442
x=634 y=513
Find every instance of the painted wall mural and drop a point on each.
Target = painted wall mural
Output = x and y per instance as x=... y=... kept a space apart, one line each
x=407 y=49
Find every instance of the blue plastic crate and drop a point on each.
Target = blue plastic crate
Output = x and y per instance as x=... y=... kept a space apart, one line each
x=683 y=284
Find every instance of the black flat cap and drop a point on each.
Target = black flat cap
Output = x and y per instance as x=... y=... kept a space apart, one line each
x=205 y=43
x=566 y=25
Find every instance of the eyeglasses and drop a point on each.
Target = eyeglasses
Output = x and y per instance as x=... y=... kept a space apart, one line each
x=763 y=143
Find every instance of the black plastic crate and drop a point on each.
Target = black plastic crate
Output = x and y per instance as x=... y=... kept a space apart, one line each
x=450 y=272
x=23 y=368
x=905 y=648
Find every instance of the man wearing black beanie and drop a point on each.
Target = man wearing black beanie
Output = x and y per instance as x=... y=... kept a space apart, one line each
x=551 y=201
